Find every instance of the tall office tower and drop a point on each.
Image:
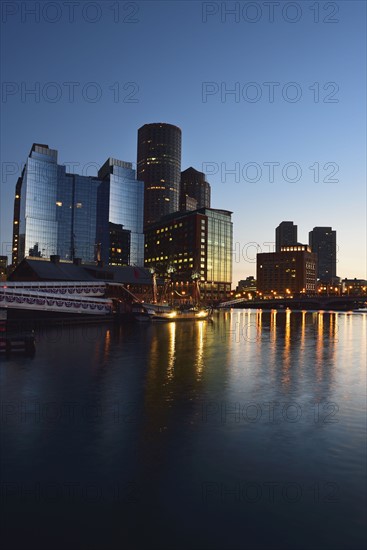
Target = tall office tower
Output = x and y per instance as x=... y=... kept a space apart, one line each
x=322 y=241
x=159 y=166
x=285 y=235
x=193 y=184
x=121 y=200
x=56 y=213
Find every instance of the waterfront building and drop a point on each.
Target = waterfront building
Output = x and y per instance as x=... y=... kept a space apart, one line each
x=247 y=285
x=322 y=241
x=285 y=235
x=194 y=184
x=159 y=166
x=288 y=272
x=194 y=244
x=69 y=215
x=354 y=286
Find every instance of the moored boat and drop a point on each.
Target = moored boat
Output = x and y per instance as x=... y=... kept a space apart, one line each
x=193 y=314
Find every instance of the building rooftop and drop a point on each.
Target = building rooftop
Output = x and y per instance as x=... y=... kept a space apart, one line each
x=47 y=270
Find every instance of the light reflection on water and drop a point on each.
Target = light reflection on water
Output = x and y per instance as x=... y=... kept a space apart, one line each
x=254 y=396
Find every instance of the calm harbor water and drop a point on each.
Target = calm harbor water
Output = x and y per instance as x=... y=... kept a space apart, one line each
x=247 y=432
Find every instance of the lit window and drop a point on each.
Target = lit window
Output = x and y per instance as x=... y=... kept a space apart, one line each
x=58 y=203
x=79 y=205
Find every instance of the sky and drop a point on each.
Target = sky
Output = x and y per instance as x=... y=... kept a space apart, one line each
x=270 y=97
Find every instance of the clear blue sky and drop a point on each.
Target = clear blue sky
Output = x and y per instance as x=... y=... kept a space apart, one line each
x=167 y=51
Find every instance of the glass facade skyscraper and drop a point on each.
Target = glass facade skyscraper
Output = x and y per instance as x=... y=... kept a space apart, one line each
x=159 y=166
x=56 y=213
x=219 y=245
x=38 y=226
x=122 y=195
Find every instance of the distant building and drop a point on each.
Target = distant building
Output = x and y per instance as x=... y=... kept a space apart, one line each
x=285 y=235
x=194 y=184
x=247 y=285
x=57 y=213
x=290 y=271
x=197 y=243
x=322 y=241
x=354 y=286
x=159 y=166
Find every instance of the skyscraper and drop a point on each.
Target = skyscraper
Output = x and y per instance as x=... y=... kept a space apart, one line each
x=57 y=213
x=194 y=184
x=285 y=235
x=159 y=166
x=322 y=241
x=121 y=199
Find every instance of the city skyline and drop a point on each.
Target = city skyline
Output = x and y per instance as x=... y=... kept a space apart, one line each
x=322 y=133
x=270 y=246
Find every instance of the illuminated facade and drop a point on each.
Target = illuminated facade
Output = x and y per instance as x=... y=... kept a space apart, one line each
x=159 y=166
x=195 y=243
x=288 y=272
x=56 y=213
x=322 y=241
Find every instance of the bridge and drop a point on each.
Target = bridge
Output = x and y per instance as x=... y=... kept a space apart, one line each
x=307 y=302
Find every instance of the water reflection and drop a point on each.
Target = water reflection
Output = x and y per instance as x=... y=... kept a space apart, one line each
x=152 y=384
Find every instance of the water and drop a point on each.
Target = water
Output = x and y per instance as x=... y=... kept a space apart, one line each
x=248 y=432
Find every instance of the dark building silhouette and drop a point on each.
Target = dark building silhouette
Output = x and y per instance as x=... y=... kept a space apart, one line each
x=3 y=267
x=290 y=271
x=193 y=184
x=159 y=166
x=322 y=241
x=285 y=235
x=119 y=246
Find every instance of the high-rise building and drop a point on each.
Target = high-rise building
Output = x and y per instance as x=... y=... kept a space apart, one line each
x=159 y=166
x=290 y=271
x=285 y=235
x=195 y=243
x=322 y=241
x=68 y=215
x=121 y=199
x=194 y=184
